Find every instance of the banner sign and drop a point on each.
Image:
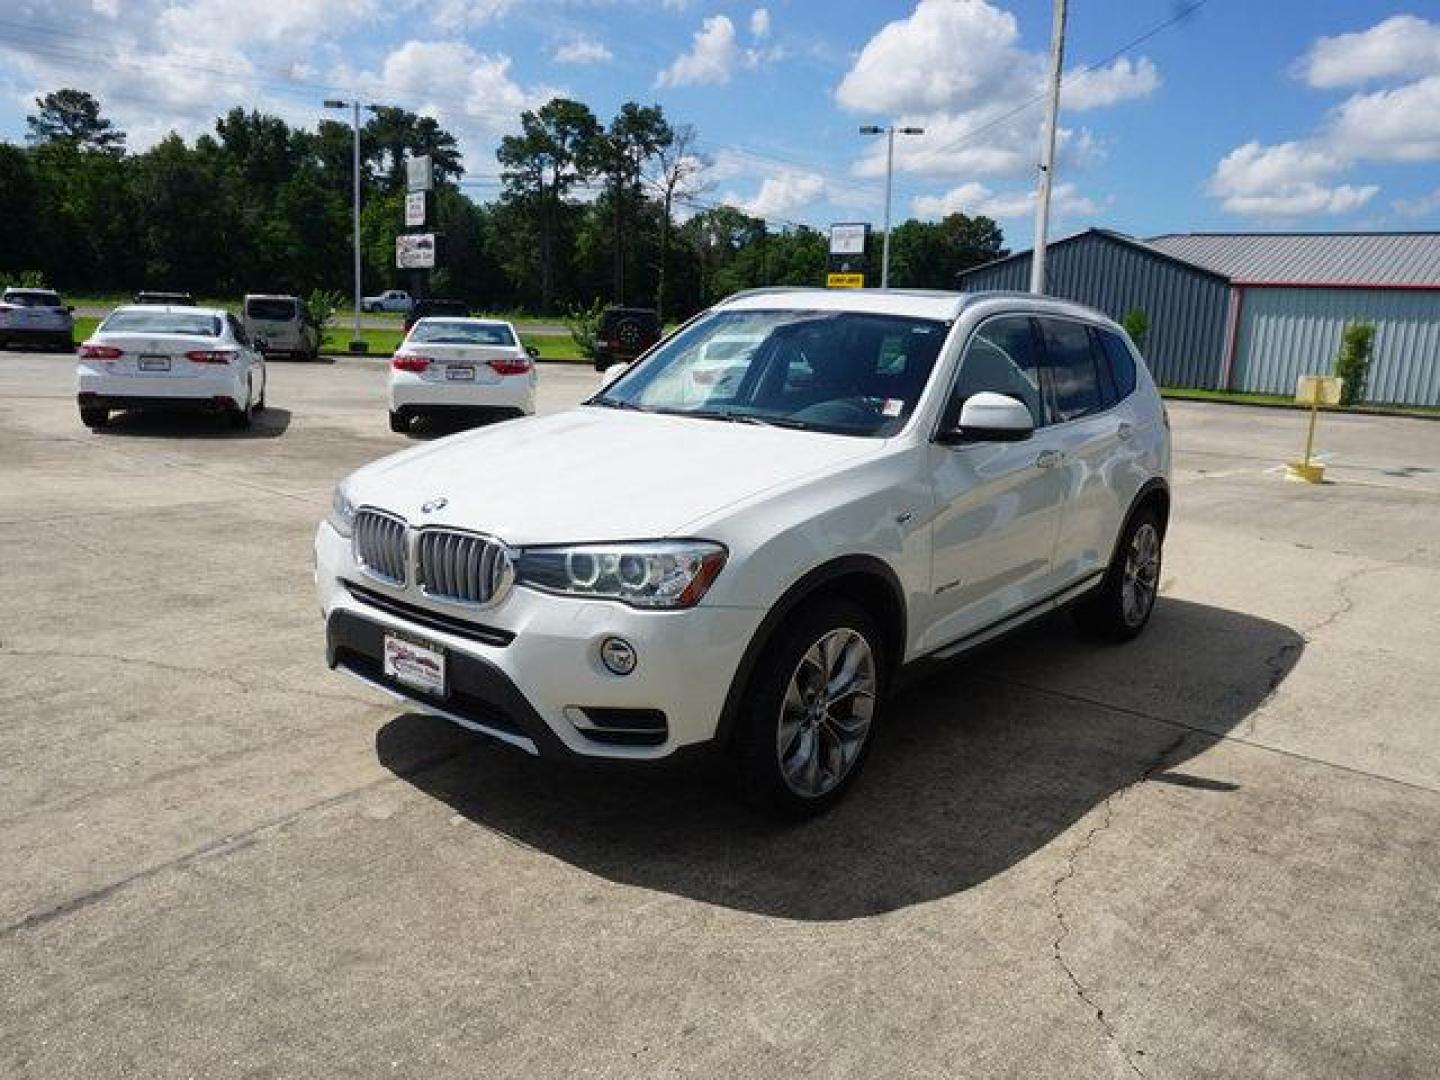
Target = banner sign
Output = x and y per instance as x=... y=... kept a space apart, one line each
x=415 y=251
x=419 y=175
x=844 y=281
x=848 y=238
x=414 y=209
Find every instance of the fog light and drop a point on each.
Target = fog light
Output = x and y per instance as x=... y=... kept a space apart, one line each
x=618 y=655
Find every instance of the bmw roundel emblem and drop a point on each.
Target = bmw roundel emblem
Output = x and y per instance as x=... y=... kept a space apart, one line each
x=435 y=504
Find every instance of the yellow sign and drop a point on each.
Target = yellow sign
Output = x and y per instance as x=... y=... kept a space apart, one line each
x=844 y=281
x=1318 y=390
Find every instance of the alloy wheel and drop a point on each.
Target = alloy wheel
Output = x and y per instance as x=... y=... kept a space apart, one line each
x=826 y=712
x=1142 y=575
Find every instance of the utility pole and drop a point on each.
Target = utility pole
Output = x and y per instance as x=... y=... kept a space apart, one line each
x=357 y=343
x=889 y=131
x=1047 y=161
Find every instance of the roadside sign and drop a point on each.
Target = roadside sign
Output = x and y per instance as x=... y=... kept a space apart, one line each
x=848 y=238
x=415 y=251
x=419 y=174
x=1318 y=390
x=844 y=281
x=414 y=209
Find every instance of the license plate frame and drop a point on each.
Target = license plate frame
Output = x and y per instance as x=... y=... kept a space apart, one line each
x=154 y=363
x=460 y=373
x=418 y=665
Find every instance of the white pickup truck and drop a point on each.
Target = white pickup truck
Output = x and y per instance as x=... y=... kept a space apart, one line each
x=389 y=300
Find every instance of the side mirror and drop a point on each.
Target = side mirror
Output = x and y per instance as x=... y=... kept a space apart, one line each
x=611 y=373
x=990 y=417
x=70 y=310
x=533 y=352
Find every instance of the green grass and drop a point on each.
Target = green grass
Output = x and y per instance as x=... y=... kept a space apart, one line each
x=1241 y=397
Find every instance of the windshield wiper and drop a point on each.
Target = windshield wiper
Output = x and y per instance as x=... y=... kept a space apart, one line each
x=615 y=403
x=737 y=417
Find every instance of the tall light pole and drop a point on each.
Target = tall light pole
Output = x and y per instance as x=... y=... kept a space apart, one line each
x=1047 y=161
x=889 y=132
x=357 y=344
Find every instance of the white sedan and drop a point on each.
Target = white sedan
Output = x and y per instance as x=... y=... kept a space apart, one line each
x=461 y=367
x=145 y=357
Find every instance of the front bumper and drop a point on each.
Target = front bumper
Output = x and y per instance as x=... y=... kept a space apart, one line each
x=528 y=671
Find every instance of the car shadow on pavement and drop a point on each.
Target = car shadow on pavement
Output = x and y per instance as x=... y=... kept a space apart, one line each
x=162 y=424
x=979 y=766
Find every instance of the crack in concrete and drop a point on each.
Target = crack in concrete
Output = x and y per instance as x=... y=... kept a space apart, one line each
x=1057 y=952
x=245 y=686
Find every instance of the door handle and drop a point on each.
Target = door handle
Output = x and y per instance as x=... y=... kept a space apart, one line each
x=1048 y=459
x=1125 y=430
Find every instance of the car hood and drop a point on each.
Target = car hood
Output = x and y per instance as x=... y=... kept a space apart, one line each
x=595 y=474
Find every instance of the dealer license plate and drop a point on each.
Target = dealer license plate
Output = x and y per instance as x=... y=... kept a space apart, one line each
x=154 y=363
x=420 y=667
x=460 y=373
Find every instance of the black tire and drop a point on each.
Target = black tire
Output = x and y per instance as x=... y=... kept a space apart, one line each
x=1115 y=611
x=760 y=761
x=93 y=416
x=399 y=423
x=241 y=417
x=260 y=404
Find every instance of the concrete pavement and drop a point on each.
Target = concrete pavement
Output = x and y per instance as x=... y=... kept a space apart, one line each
x=1212 y=852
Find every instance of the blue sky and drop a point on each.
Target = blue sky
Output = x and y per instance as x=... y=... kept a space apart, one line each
x=1309 y=114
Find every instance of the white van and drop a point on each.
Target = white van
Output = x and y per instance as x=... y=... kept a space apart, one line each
x=281 y=324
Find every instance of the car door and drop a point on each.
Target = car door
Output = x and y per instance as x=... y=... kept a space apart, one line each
x=997 y=503
x=1089 y=431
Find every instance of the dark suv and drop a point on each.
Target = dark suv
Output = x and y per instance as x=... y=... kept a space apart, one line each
x=167 y=299
x=427 y=309
x=625 y=333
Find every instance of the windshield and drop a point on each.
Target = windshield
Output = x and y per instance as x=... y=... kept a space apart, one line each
x=836 y=371
x=162 y=322
x=279 y=310
x=460 y=332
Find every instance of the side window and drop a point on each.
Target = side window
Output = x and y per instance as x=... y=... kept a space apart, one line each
x=1002 y=358
x=1108 y=396
x=1073 y=376
x=1122 y=363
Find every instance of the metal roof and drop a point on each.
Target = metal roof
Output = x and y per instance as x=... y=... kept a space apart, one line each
x=1356 y=259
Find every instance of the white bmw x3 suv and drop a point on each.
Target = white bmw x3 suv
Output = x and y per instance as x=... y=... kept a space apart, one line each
x=892 y=476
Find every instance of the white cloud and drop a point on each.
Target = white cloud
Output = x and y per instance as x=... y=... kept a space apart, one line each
x=1418 y=207
x=1095 y=88
x=784 y=192
x=583 y=50
x=1390 y=125
x=956 y=68
x=760 y=23
x=1396 y=125
x=1402 y=45
x=712 y=57
x=191 y=25
x=975 y=198
x=455 y=15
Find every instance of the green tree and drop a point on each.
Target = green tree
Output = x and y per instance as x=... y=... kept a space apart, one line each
x=1137 y=325
x=73 y=116
x=391 y=135
x=676 y=177
x=928 y=254
x=554 y=151
x=634 y=138
x=1353 y=364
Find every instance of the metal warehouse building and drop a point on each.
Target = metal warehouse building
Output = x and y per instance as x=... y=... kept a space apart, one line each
x=1251 y=311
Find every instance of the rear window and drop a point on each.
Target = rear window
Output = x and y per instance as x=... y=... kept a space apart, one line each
x=277 y=310
x=1072 y=368
x=458 y=332
x=162 y=322
x=32 y=298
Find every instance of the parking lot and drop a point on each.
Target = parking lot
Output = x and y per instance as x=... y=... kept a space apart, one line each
x=1212 y=852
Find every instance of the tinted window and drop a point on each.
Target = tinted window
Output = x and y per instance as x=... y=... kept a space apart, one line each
x=32 y=298
x=277 y=310
x=1001 y=358
x=1071 y=361
x=1122 y=362
x=461 y=332
x=162 y=322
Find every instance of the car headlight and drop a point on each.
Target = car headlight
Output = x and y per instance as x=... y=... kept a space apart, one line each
x=647 y=574
x=342 y=512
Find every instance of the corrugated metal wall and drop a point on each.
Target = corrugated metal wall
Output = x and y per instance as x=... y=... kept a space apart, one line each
x=1187 y=308
x=1289 y=332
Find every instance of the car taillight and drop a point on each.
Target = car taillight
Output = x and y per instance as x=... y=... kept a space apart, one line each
x=100 y=352
x=513 y=366
x=405 y=362
x=210 y=356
